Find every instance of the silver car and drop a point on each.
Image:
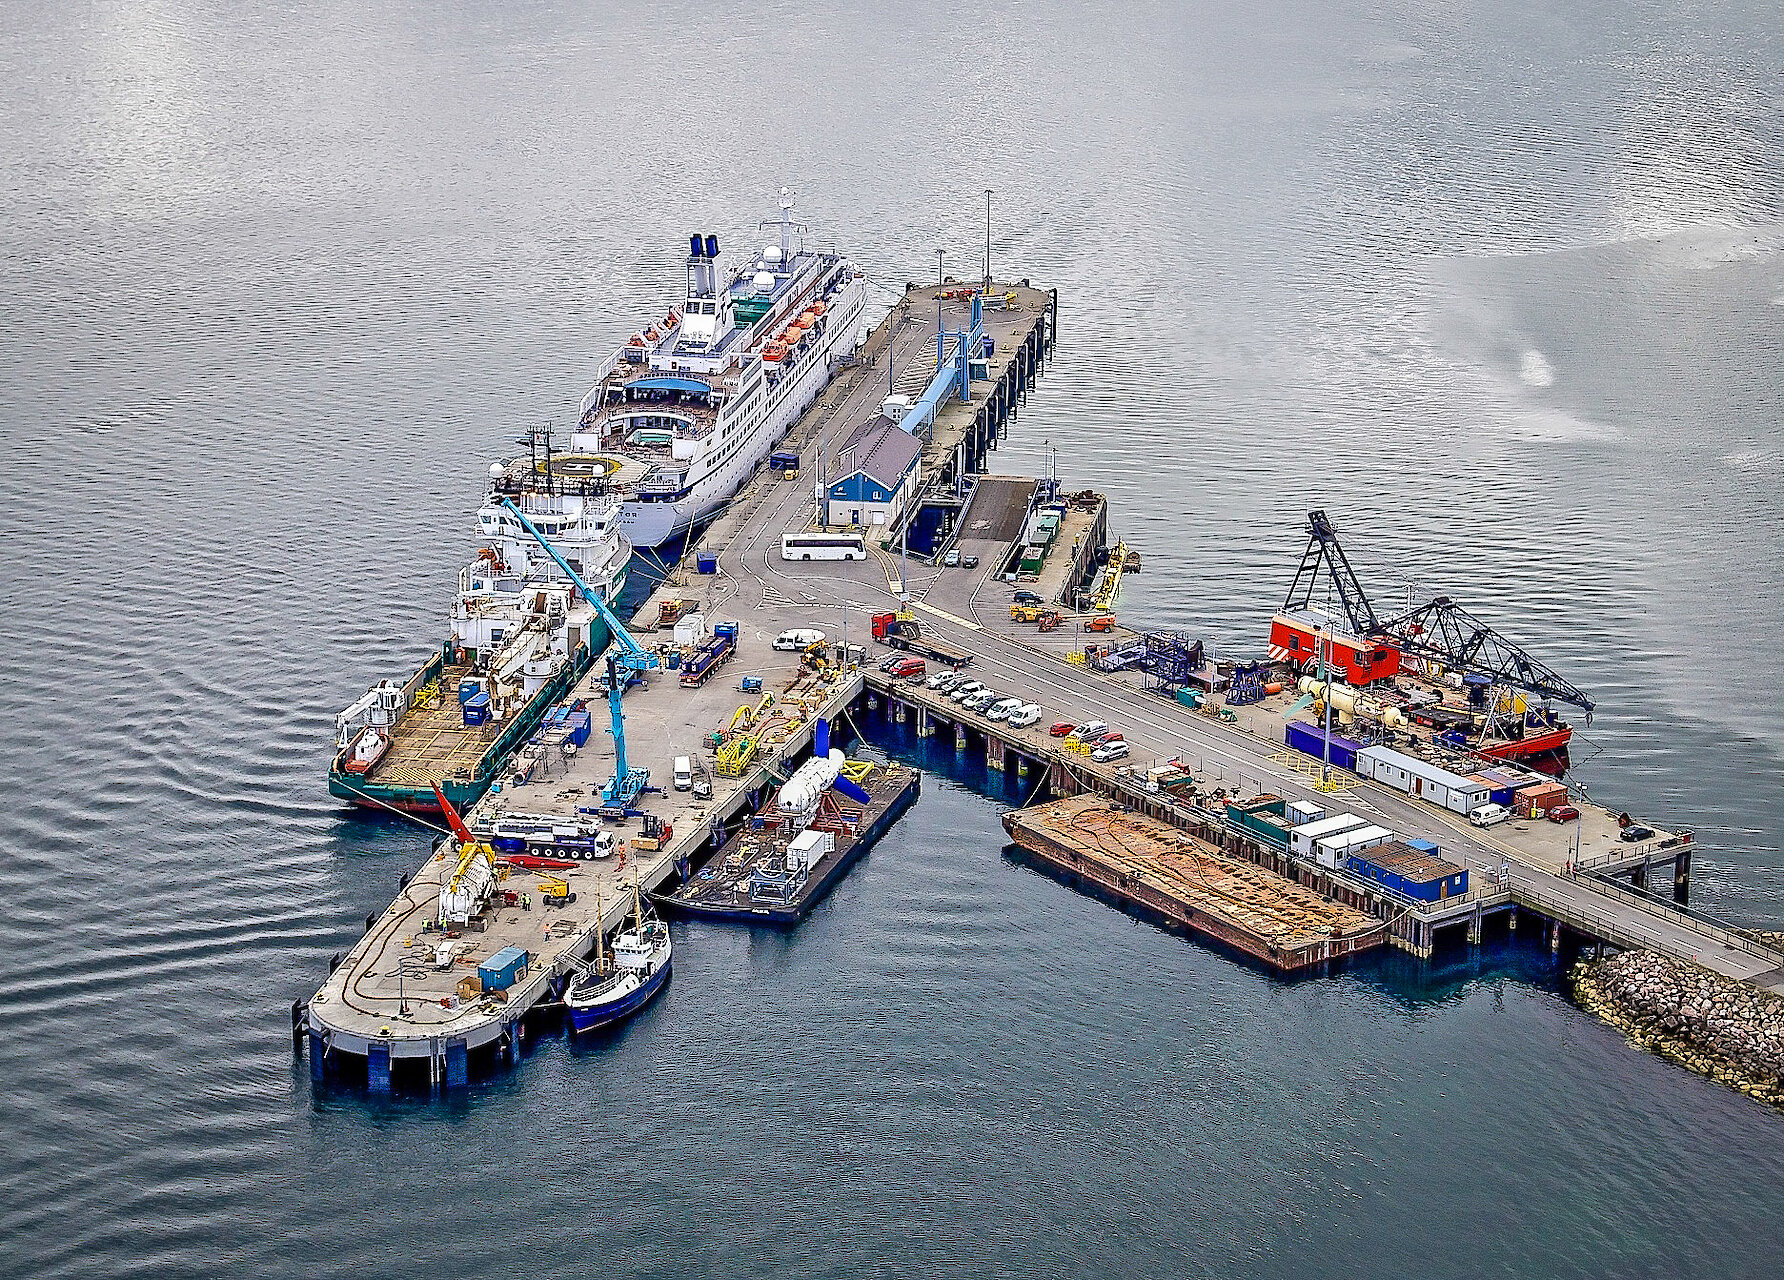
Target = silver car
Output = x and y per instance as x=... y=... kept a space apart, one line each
x=961 y=692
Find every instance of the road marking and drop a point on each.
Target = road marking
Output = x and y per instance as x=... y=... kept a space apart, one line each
x=955 y=618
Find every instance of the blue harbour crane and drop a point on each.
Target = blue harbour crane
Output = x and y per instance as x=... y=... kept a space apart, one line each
x=624 y=788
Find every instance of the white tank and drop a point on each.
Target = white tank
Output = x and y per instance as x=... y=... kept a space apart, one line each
x=810 y=781
x=772 y=255
x=1350 y=703
x=764 y=282
x=535 y=672
x=465 y=893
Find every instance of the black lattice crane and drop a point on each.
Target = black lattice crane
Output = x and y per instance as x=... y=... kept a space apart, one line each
x=1324 y=551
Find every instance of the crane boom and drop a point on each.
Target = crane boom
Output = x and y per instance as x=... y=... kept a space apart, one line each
x=634 y=655
x=627 y=783
x=1444 y=632
x=1323 y=549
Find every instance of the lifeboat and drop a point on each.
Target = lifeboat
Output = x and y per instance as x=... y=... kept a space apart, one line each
x=651 y=334
x=774 y=352
x=818 y=308
x=637 y=340
x=672 y=319
x=367 y=749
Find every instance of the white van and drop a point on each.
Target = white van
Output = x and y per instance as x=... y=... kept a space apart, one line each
x=1489 y=815
x=798 y=638
x=684 y=773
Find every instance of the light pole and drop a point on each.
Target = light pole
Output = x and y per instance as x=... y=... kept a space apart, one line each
x=987 y=241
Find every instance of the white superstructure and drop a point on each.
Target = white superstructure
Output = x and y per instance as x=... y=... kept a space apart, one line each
x=683 y=412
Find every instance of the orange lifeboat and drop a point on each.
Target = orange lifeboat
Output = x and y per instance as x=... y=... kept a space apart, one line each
x=636 y=341
x=651 y=334
x=774 y=352
x=818 y=308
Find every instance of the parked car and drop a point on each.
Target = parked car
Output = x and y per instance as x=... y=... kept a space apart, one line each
x=702 y=787
x=1002 y=710
x=982 y=699
x=952 y=559
x=1634 y=832
x=910 y=669
x=1563 y=813
x=1025 y=715
x=1088 y=730
x=1025 y=597
x=1112 y=750
x=965 y=690
x=1489 y=815
x=892 y=660
x=1061 y=728
x=969 y=562
x=942 y=681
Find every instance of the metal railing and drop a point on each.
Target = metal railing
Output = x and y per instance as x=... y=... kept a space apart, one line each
x=1686 y=918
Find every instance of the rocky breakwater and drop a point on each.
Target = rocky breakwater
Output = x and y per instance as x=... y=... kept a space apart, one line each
x=1728 y=1030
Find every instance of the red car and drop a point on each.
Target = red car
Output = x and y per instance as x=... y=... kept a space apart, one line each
x=908 y=669
x=1060 y=728
x=1563 y=813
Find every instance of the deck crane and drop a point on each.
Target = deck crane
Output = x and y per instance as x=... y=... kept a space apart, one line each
x=1323 y=549
x=624 y=788
x=1439 y=632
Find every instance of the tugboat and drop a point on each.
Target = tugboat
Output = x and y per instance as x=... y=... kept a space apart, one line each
x=613 y=988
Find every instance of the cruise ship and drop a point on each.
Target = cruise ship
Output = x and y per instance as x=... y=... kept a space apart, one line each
x=691 y=404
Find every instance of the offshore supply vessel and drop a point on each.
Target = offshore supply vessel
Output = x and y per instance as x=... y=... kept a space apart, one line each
x=519 y=637
x=690 y=405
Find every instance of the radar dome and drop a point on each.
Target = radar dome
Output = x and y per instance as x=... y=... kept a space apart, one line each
x=764 y=282
x=772 y=253
x=495 y=470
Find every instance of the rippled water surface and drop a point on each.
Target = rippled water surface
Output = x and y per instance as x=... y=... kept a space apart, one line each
x=1501 y=288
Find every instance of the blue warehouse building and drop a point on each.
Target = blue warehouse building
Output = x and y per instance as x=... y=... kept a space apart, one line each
x=875 y=471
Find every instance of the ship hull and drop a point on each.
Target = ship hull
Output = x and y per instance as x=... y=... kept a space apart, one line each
x=463 y=793
x=1531 y=744
x=593 y=1017
x=651 y=524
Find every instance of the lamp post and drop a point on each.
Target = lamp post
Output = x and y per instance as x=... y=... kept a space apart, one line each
x=987 y=241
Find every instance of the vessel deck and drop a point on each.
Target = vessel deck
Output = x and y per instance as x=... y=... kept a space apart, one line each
x=433 y=742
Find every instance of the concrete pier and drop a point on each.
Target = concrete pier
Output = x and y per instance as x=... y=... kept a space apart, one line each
x=395 y=1007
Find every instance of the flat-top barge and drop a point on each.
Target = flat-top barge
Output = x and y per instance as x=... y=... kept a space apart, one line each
x=1147 y=863
x=776 y=870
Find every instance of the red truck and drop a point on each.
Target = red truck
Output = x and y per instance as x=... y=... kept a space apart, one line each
x=904 y=633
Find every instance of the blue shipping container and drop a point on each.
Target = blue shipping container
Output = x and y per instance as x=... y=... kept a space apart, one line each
x=1311 y=739
x=728 y=629
x=467 y=688
x=500 y=971
x=706 y=564
x=579 y=724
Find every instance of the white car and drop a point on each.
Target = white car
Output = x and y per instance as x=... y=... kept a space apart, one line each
x=1088 y=730
x=1025 y=715
x=961 y=692
x=943 y=681
x=982 y=699
x=1002 y=710
x=1115 y=749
